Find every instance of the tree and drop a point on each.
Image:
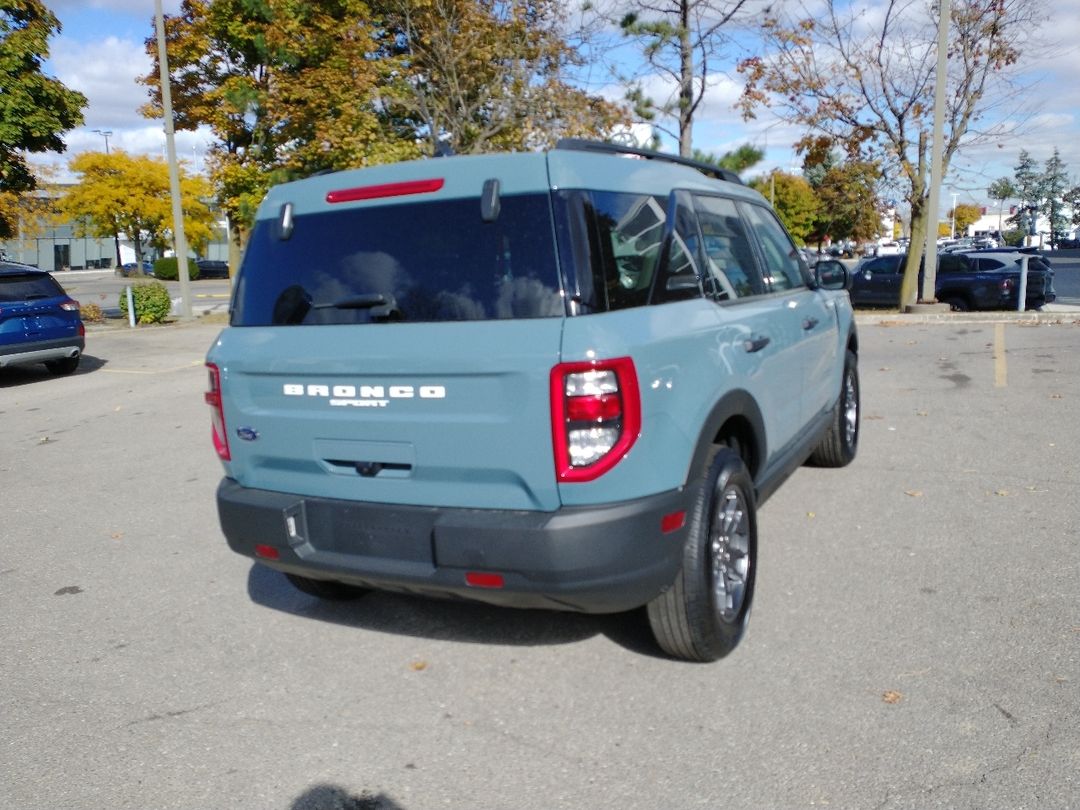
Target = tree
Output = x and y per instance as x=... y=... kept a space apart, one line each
x=794 y=200
x=1053 y=186
x=125 y=194
x=35 y=110
x=738 y=160
x=1026 y=184
x=489 y=75
x=682 y=40
x=963 y=216
x=864 y=82
x=847 y=192
x=286 y=88
x=1001 y=190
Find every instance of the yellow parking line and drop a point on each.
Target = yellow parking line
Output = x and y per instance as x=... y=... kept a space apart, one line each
x=1000 y=364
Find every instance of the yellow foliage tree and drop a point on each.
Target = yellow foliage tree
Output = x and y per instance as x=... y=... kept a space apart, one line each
x=122 y=194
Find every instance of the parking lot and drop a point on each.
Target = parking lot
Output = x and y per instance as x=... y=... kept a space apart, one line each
x=915 y=641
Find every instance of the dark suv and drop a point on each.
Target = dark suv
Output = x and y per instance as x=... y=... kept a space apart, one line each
x=558 y=380
x=39 y=322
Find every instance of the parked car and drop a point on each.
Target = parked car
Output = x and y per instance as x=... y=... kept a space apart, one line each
x=212 y=268
x=975 y=280
x=560 y=380
x=134 y=269
x=39 y=322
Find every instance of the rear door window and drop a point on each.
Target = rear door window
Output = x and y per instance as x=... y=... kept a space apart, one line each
x=416 y=262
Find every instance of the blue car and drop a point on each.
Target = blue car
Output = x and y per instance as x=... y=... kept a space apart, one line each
x=39 y=322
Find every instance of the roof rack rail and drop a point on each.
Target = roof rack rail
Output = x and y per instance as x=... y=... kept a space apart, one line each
x=584 y=145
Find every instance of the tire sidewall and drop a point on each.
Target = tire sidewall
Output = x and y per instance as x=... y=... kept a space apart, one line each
x=714 y=637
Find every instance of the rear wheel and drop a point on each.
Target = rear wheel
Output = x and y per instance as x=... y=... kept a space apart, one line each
x=65 y=365
x=325 y=588
x=957 y=304
x=703 y=615
x=838 y=447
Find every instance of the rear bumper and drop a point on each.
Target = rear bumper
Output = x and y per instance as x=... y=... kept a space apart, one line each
x=22 y=354
x=600 y=559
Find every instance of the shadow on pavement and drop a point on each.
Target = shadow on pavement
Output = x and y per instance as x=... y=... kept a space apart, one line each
x=466 y=622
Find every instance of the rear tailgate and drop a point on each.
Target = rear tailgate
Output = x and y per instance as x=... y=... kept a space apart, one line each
x=439 y=414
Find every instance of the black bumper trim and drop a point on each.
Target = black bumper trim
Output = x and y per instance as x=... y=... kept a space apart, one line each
x=597 y=559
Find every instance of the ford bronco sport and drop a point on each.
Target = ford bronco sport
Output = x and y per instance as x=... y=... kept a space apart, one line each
x=549 y=380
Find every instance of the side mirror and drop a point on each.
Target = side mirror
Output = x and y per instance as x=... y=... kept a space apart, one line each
x=831 y=275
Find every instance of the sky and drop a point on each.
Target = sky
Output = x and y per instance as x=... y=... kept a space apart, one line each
x=100 y=52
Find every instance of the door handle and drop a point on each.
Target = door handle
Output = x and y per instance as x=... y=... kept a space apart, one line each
x=755 y=344
x=809 y=323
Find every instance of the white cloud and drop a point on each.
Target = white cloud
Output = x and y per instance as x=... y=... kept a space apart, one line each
x=105 y=71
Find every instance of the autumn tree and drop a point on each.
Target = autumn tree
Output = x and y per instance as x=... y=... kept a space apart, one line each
x=285 y=87
x=848 y=195
x=794 y=200
x=685 y=43
x=118 y=193
x=35 y=109
x=864 y=81
x=489 y=75
x=963 y=216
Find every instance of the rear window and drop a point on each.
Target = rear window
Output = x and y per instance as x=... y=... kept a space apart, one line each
x=426 y=262
x=28 y=286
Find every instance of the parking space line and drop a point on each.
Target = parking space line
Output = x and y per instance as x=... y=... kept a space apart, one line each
x=1000 y=364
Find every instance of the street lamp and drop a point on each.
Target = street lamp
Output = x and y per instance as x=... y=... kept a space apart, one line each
x=106 y=134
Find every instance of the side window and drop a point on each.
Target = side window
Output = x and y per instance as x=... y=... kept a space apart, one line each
x=730 y=270
x=988 y=264
x=681 y=279
x=782 y=268
x=952 y=264
x=628 y=231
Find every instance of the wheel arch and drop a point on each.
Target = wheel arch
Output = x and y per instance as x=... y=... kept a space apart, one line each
x=736 y=421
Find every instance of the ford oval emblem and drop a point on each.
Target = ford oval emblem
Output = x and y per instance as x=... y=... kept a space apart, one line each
x=248 y=434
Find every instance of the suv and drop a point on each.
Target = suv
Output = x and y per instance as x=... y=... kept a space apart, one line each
x=550 y=380
x=39 y=322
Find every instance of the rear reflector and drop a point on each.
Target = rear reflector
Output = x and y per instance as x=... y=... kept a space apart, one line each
x=267 y=552
x=672 y=522
x=484 y=579
x=212 y=398
x=385 y=190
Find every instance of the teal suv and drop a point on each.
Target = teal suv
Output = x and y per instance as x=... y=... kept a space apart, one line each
x=552 y=380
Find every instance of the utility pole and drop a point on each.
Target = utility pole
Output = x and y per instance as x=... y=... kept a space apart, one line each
x=929 y=290
x=952 y=217
x=106 y=134
x=179 y=242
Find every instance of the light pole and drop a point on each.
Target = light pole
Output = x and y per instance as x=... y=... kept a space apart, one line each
x=106 y=134
x=952 y=217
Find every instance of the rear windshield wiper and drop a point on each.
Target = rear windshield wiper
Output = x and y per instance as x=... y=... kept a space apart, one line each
x=383 y=307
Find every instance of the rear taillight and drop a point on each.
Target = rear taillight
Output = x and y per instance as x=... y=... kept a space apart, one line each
x=595 y=416
x=217 y=415
x=69 y=305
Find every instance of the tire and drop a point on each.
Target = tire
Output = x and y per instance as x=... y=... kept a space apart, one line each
x=840 y=444
x=328 y=589
x=65 y=365
x=957 y=304
x=703 y=616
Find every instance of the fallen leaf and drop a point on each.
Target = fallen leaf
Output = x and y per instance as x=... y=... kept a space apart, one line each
x=118 y=536
x=884 y=368
x=1002 y=493
x=811 y=515
x=892 y=697
x=418 y=666
x=921 y=413
x=1056 y=396
x=914 y=493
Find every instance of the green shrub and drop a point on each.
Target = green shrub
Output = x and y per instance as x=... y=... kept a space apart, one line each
x=1014 y=238
x=152 y=302
x=91 y=313
x=167 y=270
